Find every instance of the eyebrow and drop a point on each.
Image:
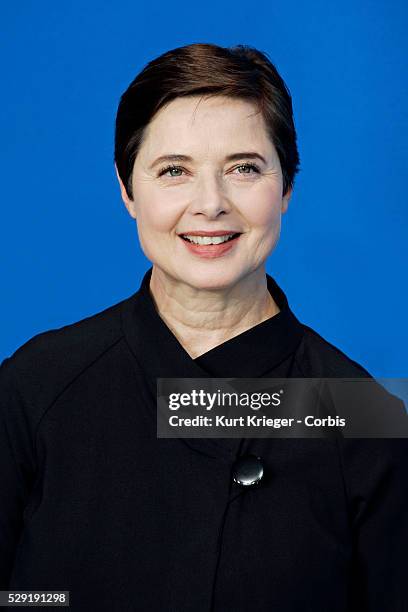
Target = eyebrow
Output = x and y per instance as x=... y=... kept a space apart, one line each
x=187 y=158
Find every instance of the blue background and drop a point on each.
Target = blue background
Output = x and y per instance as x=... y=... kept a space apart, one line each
x=68 y=246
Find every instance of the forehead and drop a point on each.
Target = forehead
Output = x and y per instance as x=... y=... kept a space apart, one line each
x=211 y=124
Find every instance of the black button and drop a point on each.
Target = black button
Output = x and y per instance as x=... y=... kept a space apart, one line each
x=247 y=470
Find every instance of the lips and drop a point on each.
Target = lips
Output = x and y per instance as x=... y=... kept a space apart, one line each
x=211 y=251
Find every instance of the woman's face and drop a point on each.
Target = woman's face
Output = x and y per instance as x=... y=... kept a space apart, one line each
x=213 y=185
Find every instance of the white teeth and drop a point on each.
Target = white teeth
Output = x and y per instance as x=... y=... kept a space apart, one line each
x=208 y=239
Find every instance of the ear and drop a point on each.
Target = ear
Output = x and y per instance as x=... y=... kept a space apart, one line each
x=130 y=205
x=285 y=200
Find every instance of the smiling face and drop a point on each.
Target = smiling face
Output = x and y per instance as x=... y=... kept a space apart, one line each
x=214 y=186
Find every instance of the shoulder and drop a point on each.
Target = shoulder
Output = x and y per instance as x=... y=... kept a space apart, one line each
x=370 y=409
x=50 y=360
x=316 y=357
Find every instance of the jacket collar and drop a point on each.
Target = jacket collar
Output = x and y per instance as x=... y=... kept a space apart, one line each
x=249 y=355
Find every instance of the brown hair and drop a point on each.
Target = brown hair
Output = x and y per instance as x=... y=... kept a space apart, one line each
x=206 y=69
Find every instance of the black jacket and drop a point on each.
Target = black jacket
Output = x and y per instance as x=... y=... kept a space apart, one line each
x=94 y=503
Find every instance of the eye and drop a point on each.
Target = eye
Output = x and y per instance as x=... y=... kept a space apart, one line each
x=169 y=168
x=248 y=167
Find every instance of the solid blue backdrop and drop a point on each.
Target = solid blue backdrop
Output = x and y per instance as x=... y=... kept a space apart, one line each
x=68 y=246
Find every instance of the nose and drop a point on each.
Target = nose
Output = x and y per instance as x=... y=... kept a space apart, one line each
x=210 y=198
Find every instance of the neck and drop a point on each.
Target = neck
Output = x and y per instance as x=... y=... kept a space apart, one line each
x=202 y=319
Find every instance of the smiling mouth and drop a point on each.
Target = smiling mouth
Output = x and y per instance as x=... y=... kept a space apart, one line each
x=209 y=240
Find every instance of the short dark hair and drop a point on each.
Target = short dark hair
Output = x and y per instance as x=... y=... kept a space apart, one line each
x=206 y=69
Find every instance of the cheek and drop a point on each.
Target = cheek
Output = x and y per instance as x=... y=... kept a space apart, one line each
x=157 y=216
x=264 y=212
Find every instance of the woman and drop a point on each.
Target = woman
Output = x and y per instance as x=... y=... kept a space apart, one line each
x=94 y=503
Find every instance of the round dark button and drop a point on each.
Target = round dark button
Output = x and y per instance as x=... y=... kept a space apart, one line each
x=247 y=470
